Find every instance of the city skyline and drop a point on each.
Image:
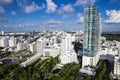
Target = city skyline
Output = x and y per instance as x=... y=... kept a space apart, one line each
x=54 y=52
x=24 y=15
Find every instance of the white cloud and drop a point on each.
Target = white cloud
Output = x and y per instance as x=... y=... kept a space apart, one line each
x=32 y=8
x=27 y=25
x=15 y=21
x=51 y=6
x=5 y=2
x=80 y=18
x=52 y=22
x=113 y=16
x=13 y=13
x=22 y=3
x=29 y=8
x=43 y=5
x=66 y=15
x=85 y=2
x=66 y=10
x=2 y=19
x=2 y=11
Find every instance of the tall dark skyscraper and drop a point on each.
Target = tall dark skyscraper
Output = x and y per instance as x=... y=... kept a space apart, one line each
x=91 y=35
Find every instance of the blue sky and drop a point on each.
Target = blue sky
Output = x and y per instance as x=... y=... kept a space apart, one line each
x=29 y=15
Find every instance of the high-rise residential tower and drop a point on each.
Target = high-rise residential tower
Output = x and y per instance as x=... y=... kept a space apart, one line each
x=91 y=43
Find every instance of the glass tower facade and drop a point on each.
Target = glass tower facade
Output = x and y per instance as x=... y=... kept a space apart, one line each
x=91 y=31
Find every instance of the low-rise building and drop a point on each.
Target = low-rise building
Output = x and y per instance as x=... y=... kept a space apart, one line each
x=30 y=60
x=53 y=51
x=68 y=57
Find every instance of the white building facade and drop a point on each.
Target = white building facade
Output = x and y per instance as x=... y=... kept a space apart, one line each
x=12 y=42
x=32 y=47
x=68 y=58
x=117 y=66
x=66 y=43
x=22 y=45
x=4 y=42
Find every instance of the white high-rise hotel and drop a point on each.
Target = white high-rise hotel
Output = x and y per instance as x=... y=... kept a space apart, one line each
x=91 y=43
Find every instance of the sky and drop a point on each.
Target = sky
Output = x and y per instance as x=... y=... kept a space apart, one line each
x=30 y=15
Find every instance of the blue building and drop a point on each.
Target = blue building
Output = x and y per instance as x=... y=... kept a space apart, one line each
x=91 y=43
